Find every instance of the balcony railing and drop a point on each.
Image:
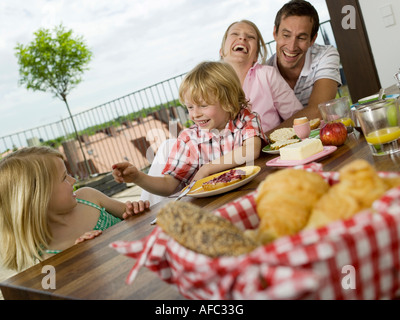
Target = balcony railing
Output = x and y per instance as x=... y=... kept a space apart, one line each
x=129 y=128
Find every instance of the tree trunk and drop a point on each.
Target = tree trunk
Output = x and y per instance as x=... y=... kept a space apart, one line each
x=77 y=136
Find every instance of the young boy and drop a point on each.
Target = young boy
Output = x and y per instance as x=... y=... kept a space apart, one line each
x=226 y=133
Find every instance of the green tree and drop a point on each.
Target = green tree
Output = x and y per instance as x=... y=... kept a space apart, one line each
x=54 y=62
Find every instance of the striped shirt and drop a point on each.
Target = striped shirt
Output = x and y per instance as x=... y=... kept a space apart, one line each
x=195 y=147
x=322 y=62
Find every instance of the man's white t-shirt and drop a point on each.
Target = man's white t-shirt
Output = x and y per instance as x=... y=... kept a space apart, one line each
x=322 y=62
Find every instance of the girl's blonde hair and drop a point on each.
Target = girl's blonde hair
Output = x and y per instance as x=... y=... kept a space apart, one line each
x=261 y=47
x=26 y=184
x=214 y=81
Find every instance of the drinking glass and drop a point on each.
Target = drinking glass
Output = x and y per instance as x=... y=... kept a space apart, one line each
x=337 y=110
x=380 y=124
x=397 y=77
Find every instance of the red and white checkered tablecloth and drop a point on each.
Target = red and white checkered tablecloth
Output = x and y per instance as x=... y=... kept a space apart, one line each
x=358 y=258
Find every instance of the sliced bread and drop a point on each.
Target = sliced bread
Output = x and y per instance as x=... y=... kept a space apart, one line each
x=282 y=134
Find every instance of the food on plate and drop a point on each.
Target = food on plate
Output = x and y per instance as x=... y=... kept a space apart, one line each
x=224 y=179
x=302 y=150
x=333 y=134
x=203 y=231
x=358 y=187
x=300 y=121
x=315 y=123
x=282 y=134
x=282 y=143
x=284 y=202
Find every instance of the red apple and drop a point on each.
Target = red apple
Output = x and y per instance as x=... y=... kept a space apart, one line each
x=333 y=134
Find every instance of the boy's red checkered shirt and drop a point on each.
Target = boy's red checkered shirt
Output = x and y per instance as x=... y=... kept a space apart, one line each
x=196 y=147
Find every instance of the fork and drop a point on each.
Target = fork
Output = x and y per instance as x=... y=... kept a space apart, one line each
x=181 y=195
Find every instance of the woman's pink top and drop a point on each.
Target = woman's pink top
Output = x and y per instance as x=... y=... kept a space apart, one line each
x=270 y=96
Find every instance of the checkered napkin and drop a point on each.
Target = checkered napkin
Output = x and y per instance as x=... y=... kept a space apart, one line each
x=358 y=258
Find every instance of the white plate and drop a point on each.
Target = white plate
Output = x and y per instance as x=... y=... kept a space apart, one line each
x=198 y=192
x=277 y=162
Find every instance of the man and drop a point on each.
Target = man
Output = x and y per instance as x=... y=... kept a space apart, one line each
x=310 y=69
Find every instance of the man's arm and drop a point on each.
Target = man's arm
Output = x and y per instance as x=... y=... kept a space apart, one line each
x=324 y=90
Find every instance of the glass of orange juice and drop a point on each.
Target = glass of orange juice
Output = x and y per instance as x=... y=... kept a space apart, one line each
x=337 y=110
x=380 y=124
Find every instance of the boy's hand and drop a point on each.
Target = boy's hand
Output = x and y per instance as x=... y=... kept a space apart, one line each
x=88 y=236
x=124 y=172
x=135 y=207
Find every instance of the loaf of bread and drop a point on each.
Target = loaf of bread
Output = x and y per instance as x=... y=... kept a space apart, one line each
x=203 y=231
x=224 y=179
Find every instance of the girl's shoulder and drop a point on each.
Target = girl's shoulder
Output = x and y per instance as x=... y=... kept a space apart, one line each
x=89 y=194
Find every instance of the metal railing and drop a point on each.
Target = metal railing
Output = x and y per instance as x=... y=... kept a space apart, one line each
x=129 y=128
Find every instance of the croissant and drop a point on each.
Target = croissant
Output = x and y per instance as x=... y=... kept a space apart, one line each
x=284 y=202
x=358 y=187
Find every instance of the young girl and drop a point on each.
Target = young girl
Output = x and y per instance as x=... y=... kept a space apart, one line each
x=40 y=214
x=226 y=133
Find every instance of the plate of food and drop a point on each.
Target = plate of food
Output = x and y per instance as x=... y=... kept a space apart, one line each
x=223 y=181
x=284 y=136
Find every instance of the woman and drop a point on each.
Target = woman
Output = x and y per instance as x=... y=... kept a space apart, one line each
x=269 y=94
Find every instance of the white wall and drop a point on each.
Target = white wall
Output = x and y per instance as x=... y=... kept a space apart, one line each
x=384 y=40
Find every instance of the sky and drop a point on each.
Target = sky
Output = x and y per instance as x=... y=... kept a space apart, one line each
x=134 y=44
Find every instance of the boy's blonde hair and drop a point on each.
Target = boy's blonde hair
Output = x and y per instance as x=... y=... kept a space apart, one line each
x=26 y=184
x=210 y=82
x=261 y=47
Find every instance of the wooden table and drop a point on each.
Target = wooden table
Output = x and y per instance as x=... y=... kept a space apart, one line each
x=92 y=270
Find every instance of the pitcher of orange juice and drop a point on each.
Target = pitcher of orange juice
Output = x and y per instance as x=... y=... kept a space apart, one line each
x=380 y=124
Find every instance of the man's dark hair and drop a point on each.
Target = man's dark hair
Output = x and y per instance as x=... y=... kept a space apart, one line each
x=298 y=8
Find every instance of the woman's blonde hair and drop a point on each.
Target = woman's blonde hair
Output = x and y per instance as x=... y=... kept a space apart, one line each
x=214 y=81
x=261 y=47
x=26 y=184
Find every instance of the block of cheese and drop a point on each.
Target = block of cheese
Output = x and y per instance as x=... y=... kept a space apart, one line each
x=302 y=150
